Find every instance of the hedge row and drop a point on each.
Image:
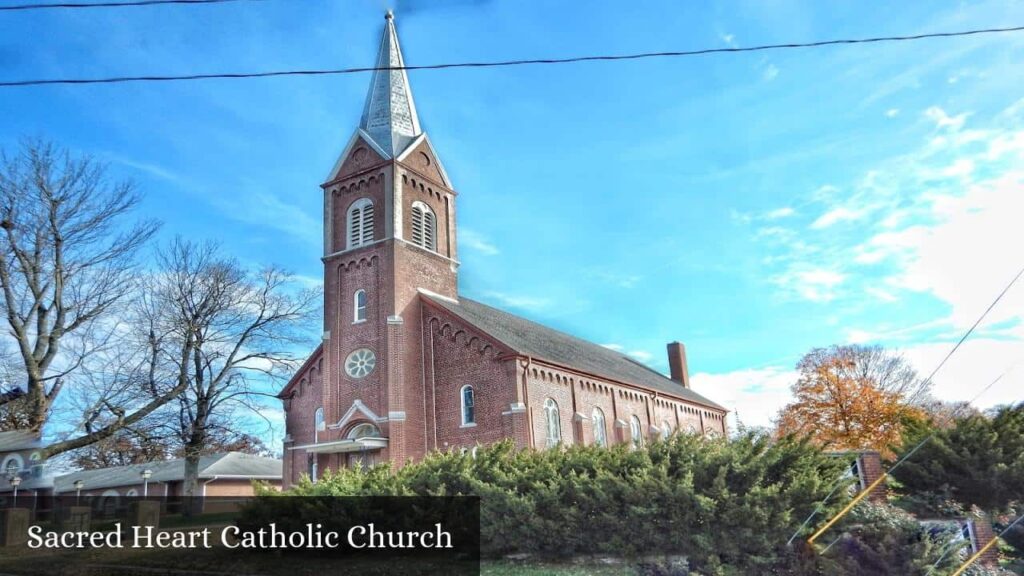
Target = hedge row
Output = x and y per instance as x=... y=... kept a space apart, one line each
x=719 y=503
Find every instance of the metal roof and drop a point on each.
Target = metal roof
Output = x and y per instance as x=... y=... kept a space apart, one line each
x=230 y=464
x=536 y=340
x=13 y=440
x=389 y=115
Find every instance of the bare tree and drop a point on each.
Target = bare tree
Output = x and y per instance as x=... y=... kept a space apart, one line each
x=67 y=260
x=229 y=333
x=887 y=371
x=128 y=446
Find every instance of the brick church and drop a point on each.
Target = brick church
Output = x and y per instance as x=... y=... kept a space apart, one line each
x=408 y=365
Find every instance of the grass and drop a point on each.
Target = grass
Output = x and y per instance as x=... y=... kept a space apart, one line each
x=507 y=568
x=24 y=562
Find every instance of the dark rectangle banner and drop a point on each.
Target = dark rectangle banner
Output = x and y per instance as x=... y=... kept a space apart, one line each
x=264 y=535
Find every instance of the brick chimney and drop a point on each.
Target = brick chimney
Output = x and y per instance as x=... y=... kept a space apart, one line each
x=982 y=534
x=677 y=363
x=869 y=466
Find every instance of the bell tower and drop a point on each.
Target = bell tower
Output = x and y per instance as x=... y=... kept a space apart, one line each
x=389 y=234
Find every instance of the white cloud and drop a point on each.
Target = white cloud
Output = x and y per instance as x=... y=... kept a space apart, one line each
x=963 y=258
x=881 y=294
x=756 y=394
x=837 y=215
x=641 y=355
x=529 y=303
x=308 y=281
x=616 y=279
x=771 y=71
x=475 y=241
x=783 y=212
x=774 y=214
x=944 y=120
x=814 y=284
x=974 y=366
x=729 y=39
x=892 y=112
x=265 y=209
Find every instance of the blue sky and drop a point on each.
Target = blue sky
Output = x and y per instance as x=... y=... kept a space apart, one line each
x=751 y=205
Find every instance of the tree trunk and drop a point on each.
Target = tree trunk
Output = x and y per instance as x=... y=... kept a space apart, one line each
x=190 y=486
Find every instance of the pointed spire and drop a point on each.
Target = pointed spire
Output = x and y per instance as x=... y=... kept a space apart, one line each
x=389 y=116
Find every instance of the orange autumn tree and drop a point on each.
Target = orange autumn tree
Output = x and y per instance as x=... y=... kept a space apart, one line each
x=853 y=397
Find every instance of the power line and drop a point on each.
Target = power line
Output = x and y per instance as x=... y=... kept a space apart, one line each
x=907 y=456
x=113 y=4
x=986 y=547
x=575 y=59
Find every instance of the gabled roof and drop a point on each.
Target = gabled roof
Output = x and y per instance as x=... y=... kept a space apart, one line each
x=389 y=115
x=538 y=341
x=226 y=465
x=301 y=371
x=13 y=440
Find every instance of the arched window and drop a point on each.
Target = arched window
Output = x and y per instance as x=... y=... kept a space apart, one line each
x=364 y=431
x=424 y=228
x=12 y=465
x=318 y=424
x=554 y=425
x=600 y=434
x=666 y=430
x=359 y=306
x=468 y=406
x=636 y=432
x=360 y=223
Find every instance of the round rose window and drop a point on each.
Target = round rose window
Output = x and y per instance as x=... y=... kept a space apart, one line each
x=360 y=363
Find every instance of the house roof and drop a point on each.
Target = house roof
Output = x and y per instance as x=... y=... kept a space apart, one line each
x=536 y=340
x=13 y=440
x=229 y=464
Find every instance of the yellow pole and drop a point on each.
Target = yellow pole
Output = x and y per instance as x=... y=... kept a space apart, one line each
x=863 y=494
x=976 y=555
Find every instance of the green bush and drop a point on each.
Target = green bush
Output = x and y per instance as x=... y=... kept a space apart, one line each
x=882 y=540
x=728 y=506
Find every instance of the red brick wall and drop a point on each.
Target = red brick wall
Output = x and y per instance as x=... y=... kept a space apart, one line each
x=576 y=393
x=307 y=396
x=456 y=356
x=981 y=529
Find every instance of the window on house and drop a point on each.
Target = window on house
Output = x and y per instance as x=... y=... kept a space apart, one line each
x=666 y=430
x=312 y=468
x=424 y=228
x=12 y=466
x=468 y=406
x=359 y=306
x=360 y=223
x=554 y=425
x=636 y=432
x=600 y=433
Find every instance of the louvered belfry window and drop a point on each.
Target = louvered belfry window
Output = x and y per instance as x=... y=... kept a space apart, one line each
x=360 y=223
x=424 y=228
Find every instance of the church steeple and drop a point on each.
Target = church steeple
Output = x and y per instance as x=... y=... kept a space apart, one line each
x=389 y=116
